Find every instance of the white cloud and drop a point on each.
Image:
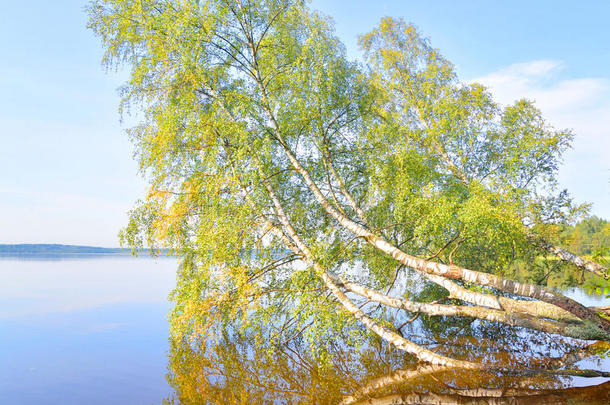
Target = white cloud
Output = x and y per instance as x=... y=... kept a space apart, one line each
x=525 y=70
x=579 y=103
x=539 y=81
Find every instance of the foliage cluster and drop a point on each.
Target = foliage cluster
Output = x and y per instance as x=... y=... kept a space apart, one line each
x=258 y=133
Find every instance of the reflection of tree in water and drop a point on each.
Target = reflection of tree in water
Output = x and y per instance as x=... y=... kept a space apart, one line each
x=232 y=372
x=236 y=368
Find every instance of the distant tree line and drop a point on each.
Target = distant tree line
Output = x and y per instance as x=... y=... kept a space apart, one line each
x=38 y=248
x=590 y=237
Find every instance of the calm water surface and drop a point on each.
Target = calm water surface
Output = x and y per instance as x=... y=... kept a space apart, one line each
x=94 y=331
x=84 y=330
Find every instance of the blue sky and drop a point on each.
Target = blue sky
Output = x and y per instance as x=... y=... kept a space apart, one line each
x=66 y=170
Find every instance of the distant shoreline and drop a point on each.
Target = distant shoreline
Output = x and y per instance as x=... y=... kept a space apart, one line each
x=45 y=249
x=37 y=251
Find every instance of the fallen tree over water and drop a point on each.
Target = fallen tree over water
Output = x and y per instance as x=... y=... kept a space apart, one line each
x=299 y=186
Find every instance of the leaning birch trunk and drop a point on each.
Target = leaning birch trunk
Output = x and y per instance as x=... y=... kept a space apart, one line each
x=294 y=242
x=394 y=338
x=507 y=317
x=334 y=284
x=453 y=272
x=424 y=266
x=542 y=309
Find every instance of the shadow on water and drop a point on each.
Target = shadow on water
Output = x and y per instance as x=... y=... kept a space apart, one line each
x=237 y=370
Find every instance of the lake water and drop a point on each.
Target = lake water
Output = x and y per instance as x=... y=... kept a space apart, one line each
x=94 y=331
x=84 y=330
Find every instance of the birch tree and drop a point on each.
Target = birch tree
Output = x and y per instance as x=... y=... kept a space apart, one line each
x=308 y=194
